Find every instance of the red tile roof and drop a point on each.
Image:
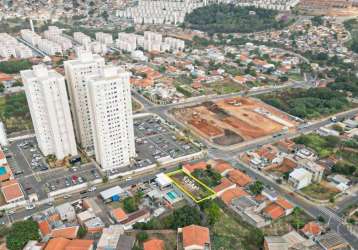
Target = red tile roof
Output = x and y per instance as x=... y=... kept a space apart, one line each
x=11 y=190
x=194 y=235
x=119 y=214
x=239 y=178
x=61 y=243
x=274 y=211
x=230 y=194
x=225 y=183
x=78 y=244
x=57 y=244
x=311 y=228
x=153 y=244
x=44 y=227
x=222 y=166
x=199 y=165
x=67 y=232
x=284 y=203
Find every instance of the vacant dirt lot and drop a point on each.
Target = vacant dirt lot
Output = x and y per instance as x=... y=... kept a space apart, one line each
x=230 y=121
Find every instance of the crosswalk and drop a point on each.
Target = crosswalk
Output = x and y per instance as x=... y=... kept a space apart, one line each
x=331 y=214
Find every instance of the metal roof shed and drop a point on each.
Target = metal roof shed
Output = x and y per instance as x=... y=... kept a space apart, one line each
x=109 y=193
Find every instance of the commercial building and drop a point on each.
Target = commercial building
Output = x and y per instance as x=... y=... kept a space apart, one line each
x=111 y=116
x=315 y=169
x=50 y=112
x=78 y=73
x=300 y=178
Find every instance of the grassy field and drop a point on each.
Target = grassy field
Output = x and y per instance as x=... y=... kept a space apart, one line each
x=230 y=232
x=320 y=191
x=168 y=236
x=320 y=144
x=14 y=113
x=136 y=106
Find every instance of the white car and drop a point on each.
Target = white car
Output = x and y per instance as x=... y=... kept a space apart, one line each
x=92 y=189
x=9 y=212
x=30 y=207
x=67 y=196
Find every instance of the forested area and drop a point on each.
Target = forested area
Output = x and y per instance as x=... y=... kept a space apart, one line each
x=228 y=18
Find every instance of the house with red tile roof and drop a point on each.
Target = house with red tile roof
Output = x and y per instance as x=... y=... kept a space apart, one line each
x=225 y=185
x=66 y=232
x=239 y=178
x=311 y=229
x=189 y=168
x=12 y=191
x=222 y=167
x=154 y=244
x=66 y=244
x=287 y=206
x=274 y=211
x=230 y=194
x=44 y=227
x=195 y=237
x=57 y=244
x=119 y=215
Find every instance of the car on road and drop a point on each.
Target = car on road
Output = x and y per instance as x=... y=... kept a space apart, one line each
x=18 y=172
x=92 y=189
x=30 y=207
x=67 y=196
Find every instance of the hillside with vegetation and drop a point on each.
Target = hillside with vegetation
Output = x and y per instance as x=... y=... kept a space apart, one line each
x=352 y=26
x=309 y=104
x=228 y=18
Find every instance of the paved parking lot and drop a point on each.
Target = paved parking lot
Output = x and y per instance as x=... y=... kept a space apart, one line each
x=156 y=141
x=31 y=170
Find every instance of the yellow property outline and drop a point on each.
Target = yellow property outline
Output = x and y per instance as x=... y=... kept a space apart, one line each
x=213 y=195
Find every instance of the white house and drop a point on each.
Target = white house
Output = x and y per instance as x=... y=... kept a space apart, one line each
x=300 y=178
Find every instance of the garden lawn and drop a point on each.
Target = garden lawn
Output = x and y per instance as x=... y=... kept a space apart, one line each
x=320 y=191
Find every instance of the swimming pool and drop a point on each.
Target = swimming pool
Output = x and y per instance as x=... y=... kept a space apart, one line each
x=172 y=195
x=2 y=170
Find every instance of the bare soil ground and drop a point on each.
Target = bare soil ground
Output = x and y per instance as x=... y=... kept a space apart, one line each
x=231 y=121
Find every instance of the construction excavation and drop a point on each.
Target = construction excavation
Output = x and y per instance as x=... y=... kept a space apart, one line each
x=231 y=121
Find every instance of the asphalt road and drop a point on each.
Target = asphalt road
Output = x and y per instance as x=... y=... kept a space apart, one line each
x=334 y=221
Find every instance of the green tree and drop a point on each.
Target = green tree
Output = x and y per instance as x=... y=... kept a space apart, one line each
x=130 y=205
x=142 y=236
x=213 y=213
x=256 y=188
x=82 y=231
x=20 y=233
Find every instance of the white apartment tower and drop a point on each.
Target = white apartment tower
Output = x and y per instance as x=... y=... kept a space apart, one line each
x=112 y=120
x=50 y=112
x=78 y=72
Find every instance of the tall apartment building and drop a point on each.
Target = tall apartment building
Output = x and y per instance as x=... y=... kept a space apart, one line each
x=78 y=72
x=50 y=112
x=111 y=115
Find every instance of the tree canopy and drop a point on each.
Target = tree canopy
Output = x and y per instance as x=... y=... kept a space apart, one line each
x=228 y=18
x=12 y=67
x=20 y=233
